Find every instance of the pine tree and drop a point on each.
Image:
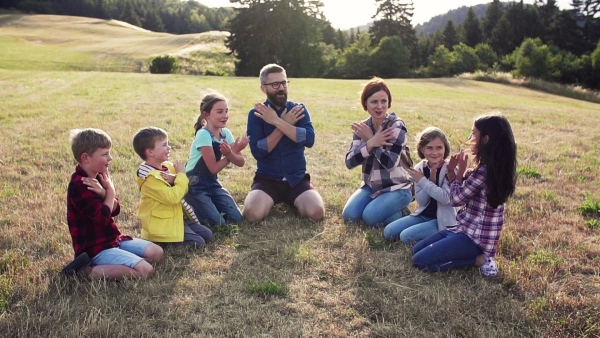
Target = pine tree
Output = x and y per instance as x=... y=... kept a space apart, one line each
x=524 y=22
x=153 y=22
x=586 y=12
x=498 y=39
x=566 y=34
x=472 y=29
x=493 y=15
x=450 y=36
x=129 y=15
x=548 y=12
x=393 y=18
x=342 y=40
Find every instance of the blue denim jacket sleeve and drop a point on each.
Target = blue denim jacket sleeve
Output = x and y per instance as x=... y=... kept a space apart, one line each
x=305 y=133
x=256 y=133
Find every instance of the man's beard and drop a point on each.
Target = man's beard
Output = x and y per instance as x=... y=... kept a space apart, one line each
x=277 y=101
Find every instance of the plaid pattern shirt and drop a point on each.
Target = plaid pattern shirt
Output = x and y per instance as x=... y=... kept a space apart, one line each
x=381 y=168
x=477 y=219
x=90 y=221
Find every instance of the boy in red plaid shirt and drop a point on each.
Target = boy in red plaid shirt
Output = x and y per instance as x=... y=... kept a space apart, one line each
x=101 y=250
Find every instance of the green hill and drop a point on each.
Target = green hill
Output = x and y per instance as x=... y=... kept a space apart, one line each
x=53 y=42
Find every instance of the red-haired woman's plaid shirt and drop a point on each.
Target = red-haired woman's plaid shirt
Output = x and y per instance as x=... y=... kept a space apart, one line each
x=382 y=167
x=90 y=221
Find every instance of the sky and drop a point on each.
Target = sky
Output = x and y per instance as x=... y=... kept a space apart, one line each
x=345 y=14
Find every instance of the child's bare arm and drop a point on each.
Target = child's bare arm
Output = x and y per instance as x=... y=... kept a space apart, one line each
x=240 y=143
x=232 y=156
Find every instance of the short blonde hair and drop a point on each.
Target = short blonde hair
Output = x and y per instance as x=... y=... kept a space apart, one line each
x=145 y=139
x=88 y=140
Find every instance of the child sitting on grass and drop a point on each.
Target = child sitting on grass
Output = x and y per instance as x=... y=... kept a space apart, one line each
x=162 y=207
x=432 y=192
x=212 y=150
x=481 y=192
x=101 y=250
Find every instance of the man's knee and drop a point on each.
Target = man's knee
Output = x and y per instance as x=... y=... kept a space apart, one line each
x=316 y=213
x=310 y=204
x=254 y=215
x=257 y=206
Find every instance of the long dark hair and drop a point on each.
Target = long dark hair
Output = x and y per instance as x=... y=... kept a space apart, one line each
x=498 y=151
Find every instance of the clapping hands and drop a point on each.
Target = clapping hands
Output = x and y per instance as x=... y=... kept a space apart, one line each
x=461 y=160
x=240 y=143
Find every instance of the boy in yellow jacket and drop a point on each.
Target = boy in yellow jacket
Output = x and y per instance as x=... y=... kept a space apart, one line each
x=166 y=217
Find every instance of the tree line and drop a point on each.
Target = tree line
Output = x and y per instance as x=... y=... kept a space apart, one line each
x=538 y=40
x=532 y=40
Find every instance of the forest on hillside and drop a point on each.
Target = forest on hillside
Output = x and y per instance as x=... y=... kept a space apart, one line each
x=528 y=40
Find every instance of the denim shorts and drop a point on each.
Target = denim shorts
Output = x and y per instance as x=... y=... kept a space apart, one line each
x=129 y=253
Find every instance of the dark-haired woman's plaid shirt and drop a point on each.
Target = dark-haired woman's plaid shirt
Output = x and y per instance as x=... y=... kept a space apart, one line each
x=381 y=168
x=90 y=221
x=477 y=219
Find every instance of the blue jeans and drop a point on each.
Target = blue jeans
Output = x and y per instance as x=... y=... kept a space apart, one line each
x=443 y=251
x=411 y=229
x=378 y=211
x=195 y=233
x=210 y=200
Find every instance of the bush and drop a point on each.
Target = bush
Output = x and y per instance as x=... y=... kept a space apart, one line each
x=165 y=64
x=465 y=59
x=487 y=56
x=214 y=72
x=391 y=58
x=439 y=64
x=533 y=59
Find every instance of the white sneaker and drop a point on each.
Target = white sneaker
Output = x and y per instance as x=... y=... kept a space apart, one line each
x=489 y=268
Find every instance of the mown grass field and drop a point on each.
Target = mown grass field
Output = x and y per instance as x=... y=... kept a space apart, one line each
x=53 y=42
x=285 y=276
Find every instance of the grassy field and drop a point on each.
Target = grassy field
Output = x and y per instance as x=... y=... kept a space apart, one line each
x=287 y=277
x=53 y=42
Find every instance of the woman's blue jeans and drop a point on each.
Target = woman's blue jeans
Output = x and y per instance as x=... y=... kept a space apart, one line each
x=378 y=211
x=443 y=251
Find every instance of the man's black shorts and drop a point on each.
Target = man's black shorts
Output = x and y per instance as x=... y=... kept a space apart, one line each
x=281 y=191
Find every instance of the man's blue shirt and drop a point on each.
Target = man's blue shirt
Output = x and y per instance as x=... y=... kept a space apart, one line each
x=286 y=160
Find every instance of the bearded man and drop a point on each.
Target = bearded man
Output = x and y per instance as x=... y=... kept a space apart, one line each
x=279 y=130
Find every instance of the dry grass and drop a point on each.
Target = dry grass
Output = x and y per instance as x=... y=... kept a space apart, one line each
x=288 y=277
x=572 y=91
x=54 y=42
